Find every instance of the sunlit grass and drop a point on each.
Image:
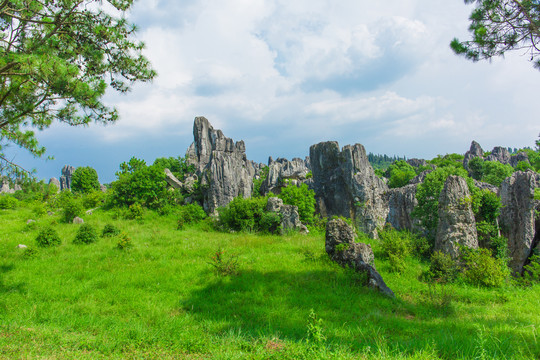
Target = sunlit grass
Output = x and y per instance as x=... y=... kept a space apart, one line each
x=162 y=299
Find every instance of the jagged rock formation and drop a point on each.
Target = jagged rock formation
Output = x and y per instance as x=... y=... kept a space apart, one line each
x=457 y=225
x=346 y=185
x=341 y=247
x=474 y=151
x=173 y=180
x=5 y=189
x=65 y=179
x=221 y=165
x=401 y=203
x=521 y=156
x=486 y=186
x=517 y=218
x=499 y=154
x=290 y=219
x=55 y=182
x=281 y=171
x=416 y=163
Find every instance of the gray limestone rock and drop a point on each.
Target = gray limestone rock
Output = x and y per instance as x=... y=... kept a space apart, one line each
x=281 y=171
x=221 y=165
x=457 y=225
x=65 y=179
x=499 y=154
x=517 y=217
x=55 y=182
x=474 y=151
x=401 y=203
x=485 y=186
x=346 y=185
x=290 y=219
x=340 y=245
x=416 y=163
x=521 y=156
x=6 y=189
x=172 y=180
x=78 y=220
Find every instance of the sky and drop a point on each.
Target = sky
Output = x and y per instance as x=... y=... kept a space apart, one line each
x=284 y=75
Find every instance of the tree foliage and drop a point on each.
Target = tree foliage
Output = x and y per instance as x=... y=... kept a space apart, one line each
x=400 y=174
x=57 y=58
x=300 y=196
x=85 y=180
x=498 y=26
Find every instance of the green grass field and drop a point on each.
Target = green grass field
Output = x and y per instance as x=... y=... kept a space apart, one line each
x=162 y=299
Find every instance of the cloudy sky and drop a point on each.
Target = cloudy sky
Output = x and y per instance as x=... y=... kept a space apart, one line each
x=283 y=75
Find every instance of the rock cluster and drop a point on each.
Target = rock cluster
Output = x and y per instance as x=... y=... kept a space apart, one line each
x=474 y=151
x=290 y=219
x=341 y=247
x=65 y=179
x=457 y=226
x=346 y=185
x=221 y=165
x=282 y=171
x=401 y=203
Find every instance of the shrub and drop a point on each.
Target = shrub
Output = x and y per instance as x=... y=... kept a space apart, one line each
x=8 y=202
x=242 y=214
x=84 y=180
x=481 y=269
x=85 y=235
x=71 y=206
x=392 y=243
x=302 y=197
x=39 y=208
x=523 y=166
x=224 y=265
x=134 y=212
x=48 y=237
x=531 y=271
x=442 y=268
x=495 y=172
x=110 y=230
x=124 y=242
x=258 y=182
x=93 y=199
x=400 y=174
x=190 y=214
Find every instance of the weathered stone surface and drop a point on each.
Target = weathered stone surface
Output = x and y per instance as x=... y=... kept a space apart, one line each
x=401 y=203
x=290 y=219
x=30 y=221
x=346 y=185
x=22 y=246
x=499 y=154
x=457 y=225
x=172 y=180
x=5 y=189
x=340 y=245
x=221 y=165
x=485 y=186
x=517 y=218
x=281 y=171
x=521 y=156
x=78 y=220
x=55 y=182
x=416 y=163
x=103 y=188
x=65 y=179
x=474 y=151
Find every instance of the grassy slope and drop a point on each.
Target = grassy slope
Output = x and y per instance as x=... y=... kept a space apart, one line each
x=162 y=300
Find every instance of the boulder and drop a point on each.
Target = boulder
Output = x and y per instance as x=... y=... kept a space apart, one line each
x=499 y=154
x=474 y=151
x=22 y=246
x=290 y=219
x=486 y=186
x=5 y=189
x=457 y=226
x=517 y=219
x=172 y=180
x=221 y=164
x=78 y=220
x=55 y=182
x=65 y=179
x=401 y=203
x=346 y=185
x=416 y=163
x=340 y=245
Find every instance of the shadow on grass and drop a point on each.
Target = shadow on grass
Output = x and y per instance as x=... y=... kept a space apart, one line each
x=279 y=303
x=5 y=268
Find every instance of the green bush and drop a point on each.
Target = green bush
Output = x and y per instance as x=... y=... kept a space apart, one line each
x=48 y=237
x=258 y=182
x=302 y=197
x=481 y=269
x=523 y=166
x=400 y=174
x=71 y=206
x=93 y=199
x=8 y=202
x=242 y=214
x=495 y=172
x=531 y=271
x=224 y=265
x=270 y=222
x=84 y=180
x=442 y=268
x=393 y=244
x=191 y=214
x=85 y=235
x=39 y=208
x=134 y=212
x=110 y=230
x=124 y=242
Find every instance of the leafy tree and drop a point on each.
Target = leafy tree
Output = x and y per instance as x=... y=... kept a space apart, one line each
x=85 y=180
x=57 y=59
x=178 y=166
x=454 y=160
x=400 y=174
x=495 y=172
x=498 y=26
x=476 y=168
x=302 y=197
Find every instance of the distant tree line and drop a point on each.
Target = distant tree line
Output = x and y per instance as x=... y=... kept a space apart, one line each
x=383 y=161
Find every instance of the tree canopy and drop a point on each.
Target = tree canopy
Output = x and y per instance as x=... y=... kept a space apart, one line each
x=498 y=26
x=57 y=58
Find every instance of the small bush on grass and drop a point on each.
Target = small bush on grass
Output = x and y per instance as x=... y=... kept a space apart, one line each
x=531 y=272
x=85 y=235
x=315 y=330
x=124 y=242
x=442 y=268
x=481 y=269
x=110 y=230
x=190 y=214
x=93 y=199
x=71 y=206
x=48 y=237
x=224 y=265
x=134 y=212
x=8 y=202
x=247 y=215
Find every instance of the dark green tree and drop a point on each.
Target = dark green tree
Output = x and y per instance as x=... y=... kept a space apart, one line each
x=57 y=58
x=85 y=180
x=498 y=26
x=400 y=174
